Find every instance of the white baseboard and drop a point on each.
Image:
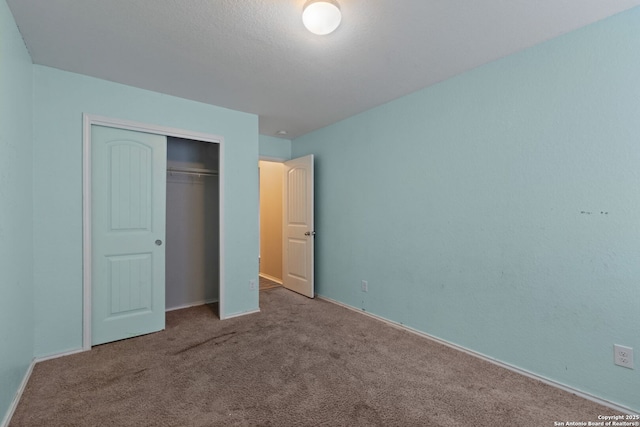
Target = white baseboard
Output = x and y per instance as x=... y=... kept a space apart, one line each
x=55 y=356
x=192 y=304
x=273 y=279
x=231 y=316
x=486 y=358
x=25 y=380
x=16 y=399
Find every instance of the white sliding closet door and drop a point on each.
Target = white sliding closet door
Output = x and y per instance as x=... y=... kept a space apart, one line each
x=128 y=177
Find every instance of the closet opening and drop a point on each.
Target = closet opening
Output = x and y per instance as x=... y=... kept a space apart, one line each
x=192 y=224
x=287 y=233
x=136 y=265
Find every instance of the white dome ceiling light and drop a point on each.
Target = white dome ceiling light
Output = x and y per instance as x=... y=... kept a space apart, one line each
x=321 y=17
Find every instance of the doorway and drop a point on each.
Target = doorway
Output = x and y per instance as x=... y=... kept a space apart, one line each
x=270 y=261
x=89 y=122
x=287 y=231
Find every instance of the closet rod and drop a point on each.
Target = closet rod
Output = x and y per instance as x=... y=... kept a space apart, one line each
x=193 y=171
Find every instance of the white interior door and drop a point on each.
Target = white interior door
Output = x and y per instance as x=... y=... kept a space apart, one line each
x=298 y=227
x=128 y=187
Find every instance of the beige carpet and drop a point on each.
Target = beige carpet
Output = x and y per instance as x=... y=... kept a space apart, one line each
x=299 y=362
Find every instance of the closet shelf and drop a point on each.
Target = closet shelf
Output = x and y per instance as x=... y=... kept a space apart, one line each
x=193 y=171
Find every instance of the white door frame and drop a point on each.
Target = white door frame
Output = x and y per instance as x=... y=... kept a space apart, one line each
x=90 y=120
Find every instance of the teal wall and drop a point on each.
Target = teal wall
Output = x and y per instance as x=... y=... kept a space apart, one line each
x=16 y=210
x=499 y=210
x=272 y=148
x=60 y=98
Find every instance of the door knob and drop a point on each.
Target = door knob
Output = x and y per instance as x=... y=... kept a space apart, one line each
x=159 y=242
x=310 y=233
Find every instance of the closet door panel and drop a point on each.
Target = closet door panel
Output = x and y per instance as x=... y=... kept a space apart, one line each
x=128 y=233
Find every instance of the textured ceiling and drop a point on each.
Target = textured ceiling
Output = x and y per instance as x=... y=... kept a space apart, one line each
x=255 y=55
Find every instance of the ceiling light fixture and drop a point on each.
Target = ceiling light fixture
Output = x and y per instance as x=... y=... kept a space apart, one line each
x=321 y=17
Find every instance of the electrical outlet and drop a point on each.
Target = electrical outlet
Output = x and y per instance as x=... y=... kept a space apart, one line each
x=364 y=286
x=623 y=356
x=252 y=285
